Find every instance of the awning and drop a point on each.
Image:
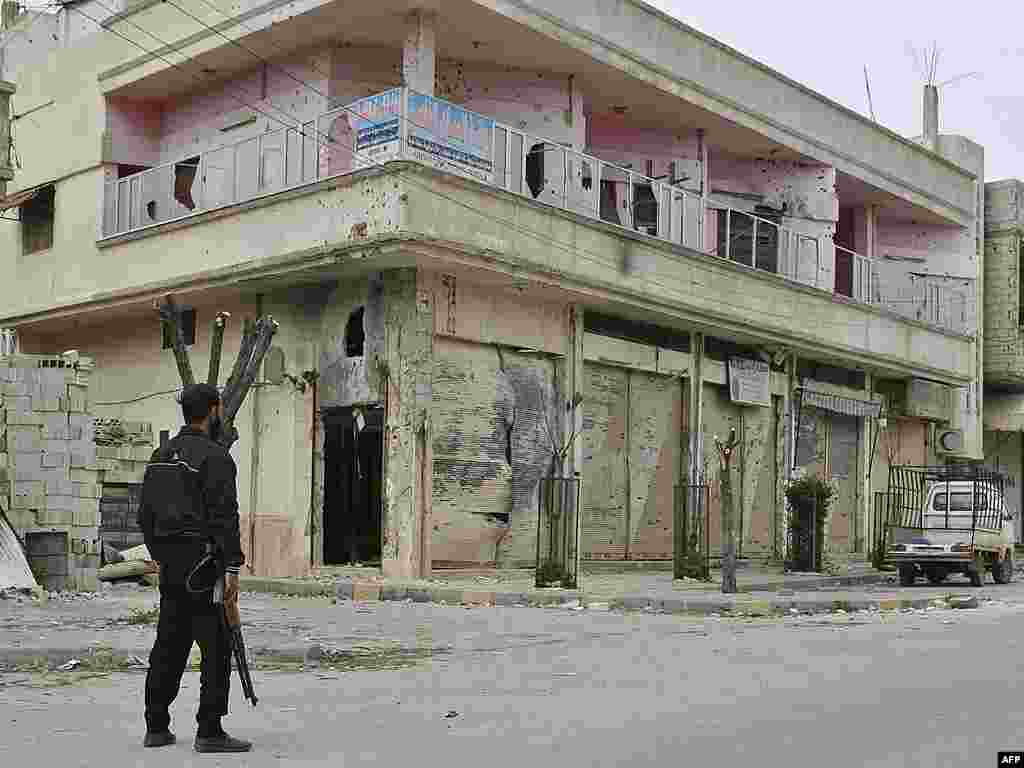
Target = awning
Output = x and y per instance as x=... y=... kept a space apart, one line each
x=17 y=199
x=848 y=406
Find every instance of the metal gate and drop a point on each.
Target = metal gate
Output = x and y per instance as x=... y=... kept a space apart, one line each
x=692 y=538
x=902 y=505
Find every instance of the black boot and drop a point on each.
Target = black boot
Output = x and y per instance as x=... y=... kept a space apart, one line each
x=158 y=739
x=221 y=743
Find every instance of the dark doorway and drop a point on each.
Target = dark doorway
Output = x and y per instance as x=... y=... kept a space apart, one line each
x=353 y=455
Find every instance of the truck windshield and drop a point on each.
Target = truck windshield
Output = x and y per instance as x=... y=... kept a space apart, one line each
x=959 y=502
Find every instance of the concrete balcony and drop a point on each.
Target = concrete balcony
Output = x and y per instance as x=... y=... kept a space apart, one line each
x=403 y=125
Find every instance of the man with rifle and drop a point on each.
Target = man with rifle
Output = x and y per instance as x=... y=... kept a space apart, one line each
x=189 y=518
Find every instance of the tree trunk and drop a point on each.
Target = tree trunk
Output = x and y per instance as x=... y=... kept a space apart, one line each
x=255 y=343
x=216 y=345
x=728 y=534
x=170 y=317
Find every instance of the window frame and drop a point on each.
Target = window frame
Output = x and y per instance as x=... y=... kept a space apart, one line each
x=37 y=223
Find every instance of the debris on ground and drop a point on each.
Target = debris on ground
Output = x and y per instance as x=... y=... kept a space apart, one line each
x=70 y=665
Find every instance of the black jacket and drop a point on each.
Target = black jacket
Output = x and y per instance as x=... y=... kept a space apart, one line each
x=188 y=497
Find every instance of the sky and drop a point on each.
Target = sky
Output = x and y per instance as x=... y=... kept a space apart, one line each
x=827 y=45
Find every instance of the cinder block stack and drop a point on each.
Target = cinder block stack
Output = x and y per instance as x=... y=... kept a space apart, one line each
x=49 y=476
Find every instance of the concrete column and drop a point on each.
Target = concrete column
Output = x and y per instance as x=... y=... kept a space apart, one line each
x=6 y=169
x=931 y=117
x=864 y=508
x=406 y=374
x=574 y=419
x=419 y=51
x=696 y=407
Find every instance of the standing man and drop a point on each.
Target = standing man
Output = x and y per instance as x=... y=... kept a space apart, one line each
x=189 y=508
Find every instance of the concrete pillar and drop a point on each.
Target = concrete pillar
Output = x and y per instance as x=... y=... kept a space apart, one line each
x=931 y=117
x=406 y=367
x=574 y=418
x=862 y=521
x=6 y=169
x=696 y=408
x=419 y=51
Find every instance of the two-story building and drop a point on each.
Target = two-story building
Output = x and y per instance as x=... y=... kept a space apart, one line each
x=466 y=215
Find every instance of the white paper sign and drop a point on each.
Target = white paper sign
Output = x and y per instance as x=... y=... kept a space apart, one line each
x=750 y=382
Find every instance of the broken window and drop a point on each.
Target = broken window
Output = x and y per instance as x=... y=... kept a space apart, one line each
x=188 y=329
x=36 y=217
x=184 y=177
x=535 y=169
x=645 y=209
x=355 y=335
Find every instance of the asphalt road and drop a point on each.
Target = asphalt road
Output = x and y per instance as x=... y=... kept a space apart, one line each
x=512 y=687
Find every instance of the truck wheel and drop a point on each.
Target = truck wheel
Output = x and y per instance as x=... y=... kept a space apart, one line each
x=936 y=576
x=976 y=573
x=1002 y=570
x=907 y=576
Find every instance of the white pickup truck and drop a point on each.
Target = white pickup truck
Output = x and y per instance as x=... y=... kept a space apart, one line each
x=964 y=527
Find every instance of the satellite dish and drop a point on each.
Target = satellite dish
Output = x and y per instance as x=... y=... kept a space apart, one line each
x=273 y=365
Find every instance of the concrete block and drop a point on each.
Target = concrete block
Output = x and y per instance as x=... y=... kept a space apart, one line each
x=53 y=382
x=55 y=460
x=59 y=486
x=24 y=418
x=393 y=592
x=141 y=452
x=22 y=519
x=82 y=460
x=55 y=426
x=365 y=592
x=28 y=495
x=77 y=399
x=86 y=490
x=60 y=502
x=16 y=389
x=80 y=475
x=50 y=476
x=121 y=477
x=87 y=512
x=54 y=516
x=344 y=590
x=17 y=403
x=21 y=439
x=55 y=446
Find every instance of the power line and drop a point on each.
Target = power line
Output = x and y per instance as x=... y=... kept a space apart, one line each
x=160 y=56
x=542 y=237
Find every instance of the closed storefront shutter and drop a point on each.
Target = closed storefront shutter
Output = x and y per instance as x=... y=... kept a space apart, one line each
x=490 y=450
x=605 y=413
x=633 y=428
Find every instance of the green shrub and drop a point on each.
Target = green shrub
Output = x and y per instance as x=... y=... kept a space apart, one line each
x=806 y=496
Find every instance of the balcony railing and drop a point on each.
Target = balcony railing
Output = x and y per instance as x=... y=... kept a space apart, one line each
x=401 y=124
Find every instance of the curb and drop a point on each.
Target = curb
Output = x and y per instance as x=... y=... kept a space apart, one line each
x=700 y=605
x=289 y=587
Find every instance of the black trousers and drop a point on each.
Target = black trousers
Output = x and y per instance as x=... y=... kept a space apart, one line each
x=185 y=618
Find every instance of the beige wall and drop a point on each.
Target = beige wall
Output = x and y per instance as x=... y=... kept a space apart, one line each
x=135 y=380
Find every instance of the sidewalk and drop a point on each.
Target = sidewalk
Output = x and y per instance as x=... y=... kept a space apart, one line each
x=763 y=591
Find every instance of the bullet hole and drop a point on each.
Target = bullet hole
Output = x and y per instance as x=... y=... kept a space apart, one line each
x=355 y=334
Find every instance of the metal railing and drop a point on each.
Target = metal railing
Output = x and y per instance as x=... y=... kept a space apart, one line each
x=398 y=124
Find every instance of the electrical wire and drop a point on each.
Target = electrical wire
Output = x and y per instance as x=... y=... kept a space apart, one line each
x=178 y=391
x=542 y=237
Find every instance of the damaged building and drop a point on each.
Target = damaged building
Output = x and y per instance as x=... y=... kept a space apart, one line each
x=467 y=217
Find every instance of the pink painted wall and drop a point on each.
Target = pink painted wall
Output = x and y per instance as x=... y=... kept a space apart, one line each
x=194 y=125
x=540 y=103
x=134 y=129
x=619 y=140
